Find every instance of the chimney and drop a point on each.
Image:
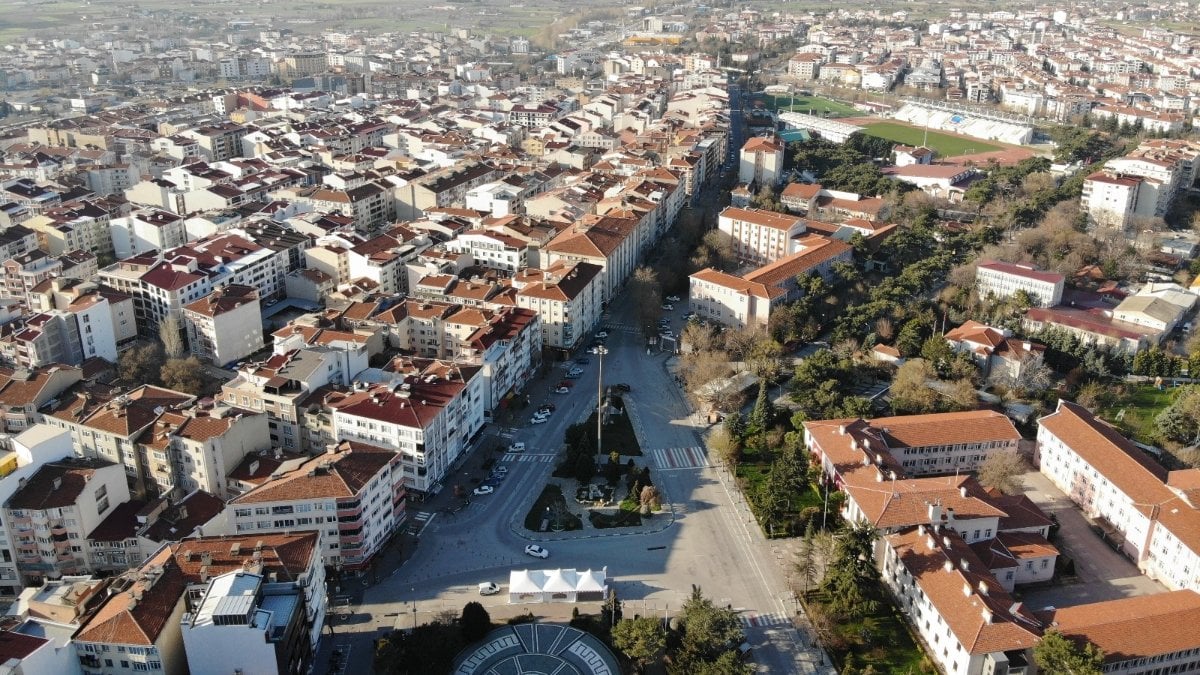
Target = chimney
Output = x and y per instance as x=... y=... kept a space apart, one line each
x=983 y=587
x=842 y=430
x=57 y=482
x=966 y=588
x=253 y=467
x=946 y=541
x=935 y=513
x=962 y=491
x=949 y=516
x=1027 y=345
x=987 y=615
x=1014 y=608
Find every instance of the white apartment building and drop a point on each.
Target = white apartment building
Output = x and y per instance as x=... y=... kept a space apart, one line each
x=197 y=448
x=147 y=230
x=225 y=326
x=32 y=450
x=760 y=162
x=244 y=623
x=566 y=297
x=352 y=496
x=1109 y=199
x=493 y=250
x=428 y=418
x=52 y=512
x=732 y=300
x=760 y=236
x=1002 y=280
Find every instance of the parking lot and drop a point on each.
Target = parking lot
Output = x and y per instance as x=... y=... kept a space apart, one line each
x=1101 y=572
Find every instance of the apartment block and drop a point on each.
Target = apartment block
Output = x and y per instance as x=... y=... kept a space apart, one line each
x=225 y=326
x=352 y=496
x=759 y=236
x=566 y=297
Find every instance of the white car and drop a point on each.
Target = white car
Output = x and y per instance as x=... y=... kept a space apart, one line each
x=539 y=419
x=536 y=551
x=602 y=335
x=668 y=307
x=489 y=588
x=563 y=390
x=519 y=446
x=672 y=298
x=484 y=490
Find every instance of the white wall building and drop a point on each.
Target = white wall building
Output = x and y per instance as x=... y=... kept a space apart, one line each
x=1002 y=280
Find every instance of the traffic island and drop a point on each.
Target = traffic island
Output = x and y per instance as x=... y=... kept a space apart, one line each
x=550 y=513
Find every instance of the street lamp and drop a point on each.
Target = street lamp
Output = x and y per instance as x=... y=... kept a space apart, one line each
x=414 y=608
x=601 y=350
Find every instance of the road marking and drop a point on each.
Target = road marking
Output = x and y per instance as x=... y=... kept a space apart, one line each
x=680 y=458
x=756 y=620
x=344 y=648
x=420 y=521
x=524 y=457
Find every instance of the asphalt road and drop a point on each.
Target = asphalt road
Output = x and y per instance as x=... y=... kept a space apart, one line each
x=707 y=538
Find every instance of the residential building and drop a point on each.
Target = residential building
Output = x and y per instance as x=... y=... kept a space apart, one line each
x=195 y=449
x=761 y=162
x=225 y=326
x=605 y=241
x=1002 y=280
x=567 y=299
x=994 y=350
x=429 y=417
x=243 y=623
x=31 y=450
x=51 y=514
x=358 y=486
x=492 y=250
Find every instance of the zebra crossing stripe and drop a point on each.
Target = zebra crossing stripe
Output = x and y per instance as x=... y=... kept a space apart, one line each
x=680 y=458
x=755 y=620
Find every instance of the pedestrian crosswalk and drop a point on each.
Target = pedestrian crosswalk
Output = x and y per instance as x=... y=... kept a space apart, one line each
x=525 y=457
x=756 y=620
x=679 y=458
x=418 y=521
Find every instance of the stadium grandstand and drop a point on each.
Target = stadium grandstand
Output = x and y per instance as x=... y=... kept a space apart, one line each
x=989 y=125
x=830 y=130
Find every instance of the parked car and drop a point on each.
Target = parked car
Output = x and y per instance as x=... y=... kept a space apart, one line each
x=672 y=298
x=668 y=307
x=566 y=383
x=574 y=375
x=563 y=390
x=489 y=588
x=536 y=551
x=688 y=315
x=539 y=419
x=547 y=408
x=484 y=490
x=517 y=447
x=621 y=386
x=602 y=335
x=502 y=470
x=583 y=360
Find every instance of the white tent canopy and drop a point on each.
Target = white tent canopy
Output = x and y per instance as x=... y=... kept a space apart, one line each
x=567 y=585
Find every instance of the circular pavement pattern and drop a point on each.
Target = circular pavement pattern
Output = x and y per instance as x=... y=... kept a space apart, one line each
x=537 y=649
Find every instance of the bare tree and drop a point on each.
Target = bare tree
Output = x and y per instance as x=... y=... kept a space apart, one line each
x=1002 y=471
x=697 y=338
x=1030 y=375
x=702 y=369
x=647 y=296
x=170 y=332
x=885 y=329
x=910 y=389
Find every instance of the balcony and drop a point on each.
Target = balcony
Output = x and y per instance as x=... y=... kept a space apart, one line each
x=351 y=540
x=348 y=512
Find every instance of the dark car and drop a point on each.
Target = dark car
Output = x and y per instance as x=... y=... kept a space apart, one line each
x=621 y=386
x=546 y=407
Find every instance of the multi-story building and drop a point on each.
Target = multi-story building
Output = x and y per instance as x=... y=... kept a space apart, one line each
x=31 y=450
x=84 y=300
x=761 y=162
x=355 y=485
x=429 y=417
x=940 y=443
x=383 y=260
x=748 y=300
x=51 y=514
x=161 y=283
x=196 y=449
x=492 y=250
x=108 y=426
x=225 y=326
x=1141 y=634
x=25 y=271
x=139 y=627
x=1150 y=512
x=608 y=242
x=279 y=386
x=241 y=624
x=1002 y=280
x=971 y=625
x=144 y=230
x=759 y=236
x=566 y=297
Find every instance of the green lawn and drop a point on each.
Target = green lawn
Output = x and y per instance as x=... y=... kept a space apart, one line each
x=882 y=640
x=809 y=105
x=946 y=145
x=551 y=509
x=1135 y=412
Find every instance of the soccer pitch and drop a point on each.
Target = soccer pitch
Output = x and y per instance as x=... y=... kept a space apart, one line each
x=946 y=145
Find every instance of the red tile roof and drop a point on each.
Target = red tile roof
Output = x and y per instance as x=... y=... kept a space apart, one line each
x=1134 y=628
